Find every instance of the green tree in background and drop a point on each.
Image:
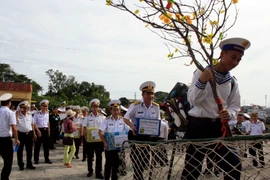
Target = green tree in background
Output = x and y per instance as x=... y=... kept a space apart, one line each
x=66 y=88
x=124 y=101
x=7 y=74
x=160 y=96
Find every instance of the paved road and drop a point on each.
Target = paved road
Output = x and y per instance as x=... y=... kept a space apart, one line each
x=55 y=171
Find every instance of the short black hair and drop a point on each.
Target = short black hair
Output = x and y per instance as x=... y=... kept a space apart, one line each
x=5 y=103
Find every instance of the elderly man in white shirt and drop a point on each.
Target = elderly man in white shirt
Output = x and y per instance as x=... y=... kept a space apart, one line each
x=26 y=134
x=256 y=127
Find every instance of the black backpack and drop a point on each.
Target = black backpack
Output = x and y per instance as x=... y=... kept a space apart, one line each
x=176 y=107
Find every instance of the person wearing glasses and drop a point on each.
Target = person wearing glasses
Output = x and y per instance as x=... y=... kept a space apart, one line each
x=42 y=127
x=256 y=127
x=26 y=134
x=94 y=119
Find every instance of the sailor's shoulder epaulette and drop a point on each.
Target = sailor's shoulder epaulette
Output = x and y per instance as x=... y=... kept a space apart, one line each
x=156 y=104
x=136 y=103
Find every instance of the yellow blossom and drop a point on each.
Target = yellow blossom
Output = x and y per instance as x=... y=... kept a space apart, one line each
x=213 y=23
x=215 y=61
x=188 y=20
x=166 y=20
x=137 y=11
x=146 y=25
x=208 y=39
x=108 y=2
x=202 y=11
x=170 y=55
x=161 y=17
x=169 y=15
x=234 y=1
x=176 y=50
x=141 y=0
x=222 y=11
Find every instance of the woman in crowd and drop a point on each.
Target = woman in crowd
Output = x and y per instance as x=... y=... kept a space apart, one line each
x=68 y=133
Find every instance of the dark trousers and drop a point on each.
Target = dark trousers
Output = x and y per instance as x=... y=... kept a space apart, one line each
x=44 y=139
x=257 y=147
x=85 y=145
x=52 y=138
x=195 y=154
x=77 y=145
x=112 y=164
x=26 y=139
x=95 y=148
x=6 y=151
x=140 y=157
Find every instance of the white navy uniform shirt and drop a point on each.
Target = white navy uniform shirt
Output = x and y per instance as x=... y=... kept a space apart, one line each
x=246 y=123
x=164 y=128
x=7 y=118
x=62 y=109
x=114 y=125
x=78 y=120
x=200 y=96
x=41 y=120
x=140 y=111
x=24 y=122
x=93 y=121
x=256 y=128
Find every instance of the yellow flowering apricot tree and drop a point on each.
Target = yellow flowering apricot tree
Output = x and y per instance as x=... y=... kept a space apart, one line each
x=191 y=28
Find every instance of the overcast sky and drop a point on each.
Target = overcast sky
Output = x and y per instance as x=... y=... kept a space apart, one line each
x=100 y=44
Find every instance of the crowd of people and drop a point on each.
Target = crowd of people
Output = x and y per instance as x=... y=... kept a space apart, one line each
x=88 y=126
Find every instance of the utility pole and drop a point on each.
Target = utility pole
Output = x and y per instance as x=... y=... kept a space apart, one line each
x=135 y=96
x=266 y=101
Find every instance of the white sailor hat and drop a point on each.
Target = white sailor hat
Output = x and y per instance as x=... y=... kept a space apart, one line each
x=64 y=102
x=246 y=115
x=45 y=101
x=148 y=86
x=103 y=112
x=237 y=44
x=5 y=97
x=123 y=108
x=85 y=108
x=94 y=102
x=33 y=105
x=114 y=103
x=77 y=107
x=23 y=104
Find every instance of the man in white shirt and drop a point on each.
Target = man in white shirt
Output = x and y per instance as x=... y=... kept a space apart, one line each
x=205 y=120
x=26 y=134
x=7 y=127
x=256 y=127
x=113 y=123
x=94 y=119
x=144 y=108
x=42 y=127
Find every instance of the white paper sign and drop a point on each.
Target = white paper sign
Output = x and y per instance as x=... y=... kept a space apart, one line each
x=148 y=126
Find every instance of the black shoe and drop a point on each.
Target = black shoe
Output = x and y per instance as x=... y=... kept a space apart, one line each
x=21 y=168
x=36 y=162
x=90 y=174
x=99 y=176
x=84 y=159
x=77 y=157
x=48 y=161
x=54 y=147
x=30 y=167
